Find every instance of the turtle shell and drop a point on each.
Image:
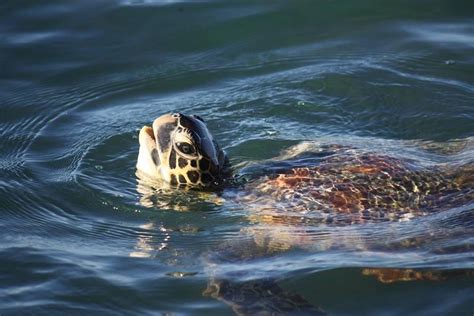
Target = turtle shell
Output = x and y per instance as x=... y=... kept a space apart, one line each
x=352 y=188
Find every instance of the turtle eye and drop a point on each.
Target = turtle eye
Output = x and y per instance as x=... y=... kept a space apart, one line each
x=186 y=148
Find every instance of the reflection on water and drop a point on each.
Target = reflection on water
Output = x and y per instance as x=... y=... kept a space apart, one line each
x=78 y=80
x=144 y=248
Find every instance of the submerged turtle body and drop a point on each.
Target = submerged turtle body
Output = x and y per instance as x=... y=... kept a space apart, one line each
x=352 y=188
x=343 y=187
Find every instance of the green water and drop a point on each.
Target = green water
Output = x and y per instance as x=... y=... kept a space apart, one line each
x=78 y=79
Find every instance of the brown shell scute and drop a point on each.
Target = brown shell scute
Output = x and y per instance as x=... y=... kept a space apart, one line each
x=365 y=187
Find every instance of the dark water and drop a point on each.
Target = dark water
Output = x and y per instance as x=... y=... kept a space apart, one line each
x=79 y=78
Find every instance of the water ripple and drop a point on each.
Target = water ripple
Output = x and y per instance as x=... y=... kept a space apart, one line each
x=78 y=80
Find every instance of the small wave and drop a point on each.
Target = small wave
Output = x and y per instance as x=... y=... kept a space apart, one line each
x=446 y=34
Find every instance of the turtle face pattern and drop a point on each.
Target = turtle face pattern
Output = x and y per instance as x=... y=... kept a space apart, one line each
x=180 y=150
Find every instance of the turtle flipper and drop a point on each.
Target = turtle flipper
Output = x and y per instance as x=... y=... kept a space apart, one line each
x=260 y=297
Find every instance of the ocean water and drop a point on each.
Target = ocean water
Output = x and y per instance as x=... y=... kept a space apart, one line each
x=78 y=79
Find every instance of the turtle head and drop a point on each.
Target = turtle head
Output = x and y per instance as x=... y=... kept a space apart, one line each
x=180 y=150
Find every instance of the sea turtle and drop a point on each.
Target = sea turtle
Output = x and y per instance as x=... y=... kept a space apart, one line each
x=332 y=185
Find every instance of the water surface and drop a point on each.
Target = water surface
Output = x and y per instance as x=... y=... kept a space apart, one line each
x=78 y=79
